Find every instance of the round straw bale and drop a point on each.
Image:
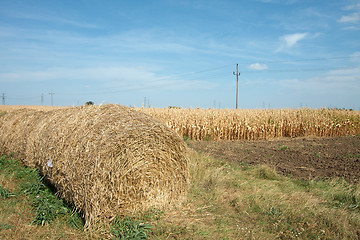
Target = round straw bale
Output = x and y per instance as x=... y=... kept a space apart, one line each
x=109 y=160
x=15 y=128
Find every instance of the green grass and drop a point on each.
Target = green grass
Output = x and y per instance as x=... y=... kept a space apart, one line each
x=27 y=202
x=225 y=201
x=5 y=193
x=130 y=228
x=256 y=202
x=282 y=148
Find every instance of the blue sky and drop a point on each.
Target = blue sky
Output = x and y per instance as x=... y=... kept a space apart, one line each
x=291 y=53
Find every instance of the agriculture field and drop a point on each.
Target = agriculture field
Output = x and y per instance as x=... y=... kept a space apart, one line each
x=248 y=124
x=298 y=180
x=301 y=158
x=9 y=108
x=214 y=124
x=226 y=200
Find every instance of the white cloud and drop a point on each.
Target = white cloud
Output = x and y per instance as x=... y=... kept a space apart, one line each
x=258 y=66
x=291 y=39
x=353 y=72
x=353 y=18
x=111 y=77
x=346 y=80
x=353 y=28
x=355 y=55
x=49 y=17
x=353 y=7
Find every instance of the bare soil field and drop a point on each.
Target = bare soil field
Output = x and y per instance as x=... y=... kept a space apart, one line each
x=302 y=158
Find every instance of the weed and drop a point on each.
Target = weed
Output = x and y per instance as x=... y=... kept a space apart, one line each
x=47 y=207
x=129 y=228
x=275 y=212
x=267 y=173
x=349 y=155
x=33 y=187
x=170 y=231
x=245 y=165
x=7 y=166
x=75 y=221
x=208 y=137
x=186 y=139
x=5 y=193
x=203 y=232
x=302 y=183
x=25 y=172
x=3 y=160
x=283 y=148
x=152 y=214
x=346 y=199
x=5 y=226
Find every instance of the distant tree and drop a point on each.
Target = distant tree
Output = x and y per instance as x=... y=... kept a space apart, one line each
x=89 y=103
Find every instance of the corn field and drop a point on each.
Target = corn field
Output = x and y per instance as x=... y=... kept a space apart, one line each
x=248 y=124
x=213 y=124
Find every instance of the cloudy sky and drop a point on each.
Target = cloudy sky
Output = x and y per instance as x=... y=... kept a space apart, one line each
x=291 y=53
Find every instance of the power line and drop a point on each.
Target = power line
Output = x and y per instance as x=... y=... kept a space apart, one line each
x=265 y=62
x=159 y=81
x=210 y=73
x=201 y=71
x=3 y=99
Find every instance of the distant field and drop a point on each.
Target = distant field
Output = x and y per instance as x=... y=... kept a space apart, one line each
x=9 y=108
x=248 y=124
x=253 y=124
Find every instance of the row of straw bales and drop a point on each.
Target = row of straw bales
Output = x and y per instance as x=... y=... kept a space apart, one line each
x=107 y=160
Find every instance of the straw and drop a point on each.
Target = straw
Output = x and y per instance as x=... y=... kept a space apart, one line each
x=107 y=160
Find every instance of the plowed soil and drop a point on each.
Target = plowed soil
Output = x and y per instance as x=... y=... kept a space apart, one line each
x=302 y=158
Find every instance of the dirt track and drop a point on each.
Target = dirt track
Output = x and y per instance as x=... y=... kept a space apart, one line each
x=303 y=158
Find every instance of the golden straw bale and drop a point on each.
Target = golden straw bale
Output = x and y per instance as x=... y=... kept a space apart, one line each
x=15 y=128
x=109 y=160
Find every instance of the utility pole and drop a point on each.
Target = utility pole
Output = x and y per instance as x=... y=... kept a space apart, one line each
x=51 y=93
x=3 y=99
x=237 y=83
x=42 y=99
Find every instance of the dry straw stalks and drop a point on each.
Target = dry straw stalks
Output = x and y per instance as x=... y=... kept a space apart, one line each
x=244 y=124
x=107 y=160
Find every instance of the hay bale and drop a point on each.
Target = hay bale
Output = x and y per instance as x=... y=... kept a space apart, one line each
x=15 y=128
x=109 y=160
